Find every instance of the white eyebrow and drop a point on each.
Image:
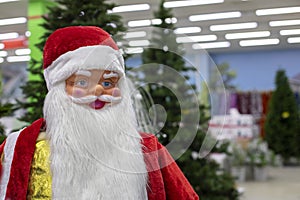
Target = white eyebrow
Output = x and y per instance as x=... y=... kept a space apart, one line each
x=84 y=73
x=110 y=75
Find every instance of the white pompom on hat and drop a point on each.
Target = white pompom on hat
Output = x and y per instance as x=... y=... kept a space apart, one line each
x=74 y=48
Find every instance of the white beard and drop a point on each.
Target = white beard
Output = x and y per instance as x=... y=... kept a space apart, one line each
x=95 y=154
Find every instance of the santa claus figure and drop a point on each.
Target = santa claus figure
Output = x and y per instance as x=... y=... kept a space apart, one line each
x=87 y=146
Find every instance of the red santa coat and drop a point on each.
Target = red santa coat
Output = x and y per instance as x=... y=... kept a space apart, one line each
x=164 y=183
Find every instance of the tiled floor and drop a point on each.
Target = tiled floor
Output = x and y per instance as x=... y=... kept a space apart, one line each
x=283 y=184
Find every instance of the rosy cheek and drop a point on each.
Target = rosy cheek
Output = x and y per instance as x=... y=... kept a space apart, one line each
x=78 y=93
x=116 y=92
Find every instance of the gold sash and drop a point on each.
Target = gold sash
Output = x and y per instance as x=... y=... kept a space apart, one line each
x=39 y=187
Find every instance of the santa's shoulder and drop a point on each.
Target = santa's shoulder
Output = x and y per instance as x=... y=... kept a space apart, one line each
x=148 y=137
x=150 y=142
x=26 y=136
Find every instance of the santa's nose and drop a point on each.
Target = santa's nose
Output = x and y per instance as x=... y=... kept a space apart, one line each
x=98 y=90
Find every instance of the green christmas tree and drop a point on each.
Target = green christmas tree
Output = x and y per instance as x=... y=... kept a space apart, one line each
x=165 y=53
x=161 y=60
x=65 y=13
x=282 y=122
x=221 y=77
x=6 y=109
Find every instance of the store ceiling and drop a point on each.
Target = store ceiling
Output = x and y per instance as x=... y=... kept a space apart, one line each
x=247 y=8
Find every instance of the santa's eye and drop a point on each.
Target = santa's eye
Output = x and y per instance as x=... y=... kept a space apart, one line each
x=81 y=83
x=107 y=84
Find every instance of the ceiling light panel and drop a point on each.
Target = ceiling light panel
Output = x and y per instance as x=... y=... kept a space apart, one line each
x=284 y=22
x=290 y=32
x=185 y=30
x=18 y=58
x=134 y=50
x=10 y=21
x=3 y=53
x=293 y=40
x=198 y=38
x=148 y=22
x=138 y=43
x=131 y=8
x=7 y=36
x=1 y=60
x=137 y=23
x=259 y=42
x=214 y=16
x=20 y=52
x=224 y=27
x=172 y=20
x=256 y=34
x=6 y=1
x=175 y=4
x=211 y=45
x=156 y=21
x=277 y=11
x=135 y=34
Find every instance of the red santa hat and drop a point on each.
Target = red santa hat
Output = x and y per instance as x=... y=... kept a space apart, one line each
x=74 y=48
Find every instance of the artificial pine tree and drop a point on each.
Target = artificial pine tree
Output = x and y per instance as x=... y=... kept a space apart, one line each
x=6 y=109
x=209 y=181
x=282 y=121
x=65 y=13
x=165 y=53
x=221 y=77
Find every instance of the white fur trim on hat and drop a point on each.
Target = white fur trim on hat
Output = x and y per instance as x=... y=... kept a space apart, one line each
x=88 y=57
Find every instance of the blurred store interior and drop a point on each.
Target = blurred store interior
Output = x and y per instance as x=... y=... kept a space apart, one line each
x=253 y=39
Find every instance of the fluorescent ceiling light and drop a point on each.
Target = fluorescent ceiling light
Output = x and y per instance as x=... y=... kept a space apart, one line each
x=172 y=20
x=285 y=22
x=231 y=36
x=130 y=8
x=1 y=60
x=290 y=32
x=134 y=50
x=198 y=38
x=7 y=36
x=137 y=23
x=260 y=42
x=135 y=43
x=5 y=1
x=20 y=52
x=135 y=34
x=175 y=4
x=293 y=40
x=185 y=30
x=148 y=22
x=277 y=11
x=213 y=16
x=1 y=46
x=18 y=58
x=211 y=45
x=17 y=20
x=156 y=21
x=224 y=27
x=3 y=53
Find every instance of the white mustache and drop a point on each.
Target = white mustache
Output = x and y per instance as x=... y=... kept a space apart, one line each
x=91 y=98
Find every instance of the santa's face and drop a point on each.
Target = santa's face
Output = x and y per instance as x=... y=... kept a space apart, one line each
x=93 y=151
x=95 y=88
